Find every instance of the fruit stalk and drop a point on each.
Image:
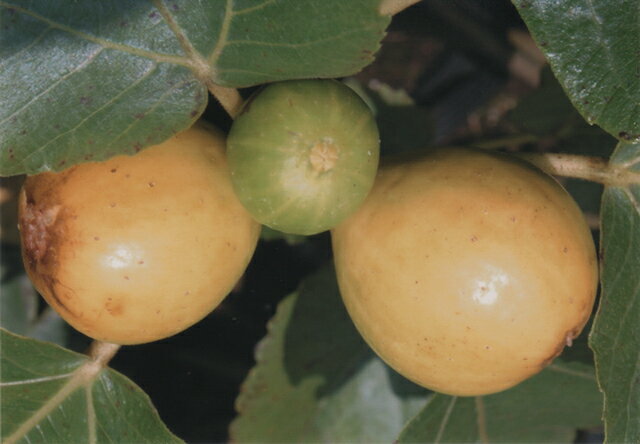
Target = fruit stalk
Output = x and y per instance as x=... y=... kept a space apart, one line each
x=595 y=169
x=101 y=352
x=229 y=98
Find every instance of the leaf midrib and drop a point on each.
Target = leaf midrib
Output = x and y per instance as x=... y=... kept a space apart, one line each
x=82 y=377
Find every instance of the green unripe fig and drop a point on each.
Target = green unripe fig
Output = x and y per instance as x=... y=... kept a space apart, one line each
x=303 y=155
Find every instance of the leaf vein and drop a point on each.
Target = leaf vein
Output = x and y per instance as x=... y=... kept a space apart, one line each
x=35 y=380
x=567 y=371
x=254 y=8
x=445 y=420
x=222 y=38
x=481 y=420
x=91 y=414
x=319 y=41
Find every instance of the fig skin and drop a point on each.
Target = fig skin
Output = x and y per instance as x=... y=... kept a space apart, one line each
x=466 y=271
x=136 y=249
x=303 y=154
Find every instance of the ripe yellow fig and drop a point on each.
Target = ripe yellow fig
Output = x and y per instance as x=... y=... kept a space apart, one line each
x=136 y=249
x=467 y=271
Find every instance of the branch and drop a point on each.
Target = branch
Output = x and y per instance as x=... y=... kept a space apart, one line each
x=595 y=169
x=392 y=7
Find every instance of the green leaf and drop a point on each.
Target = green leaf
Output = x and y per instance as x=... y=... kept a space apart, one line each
x=317 y=381
x=88 y=80
x=270 y=40
x=50 y=394
x=546 y=408
x=592 y=47
x=615 y=337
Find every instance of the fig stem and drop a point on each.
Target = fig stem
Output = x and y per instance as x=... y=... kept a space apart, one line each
x=595 y=169
x=102 y=352
x=392 y=7
x=229 y=98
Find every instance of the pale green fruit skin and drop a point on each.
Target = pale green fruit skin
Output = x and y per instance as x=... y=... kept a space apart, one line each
x=271 y=149
x=466 y=271
x=138 y=248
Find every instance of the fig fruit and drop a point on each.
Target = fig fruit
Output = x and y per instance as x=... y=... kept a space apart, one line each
x=466 y=271
x=303 y=154
x=135 y=249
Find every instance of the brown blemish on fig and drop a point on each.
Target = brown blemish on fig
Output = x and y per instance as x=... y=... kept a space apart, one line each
x=51 y=295
x=44 y=276
x=41 y=221
x=37 y=227
x=114 y=308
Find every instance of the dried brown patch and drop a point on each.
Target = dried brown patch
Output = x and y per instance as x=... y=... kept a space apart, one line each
x=41 y=221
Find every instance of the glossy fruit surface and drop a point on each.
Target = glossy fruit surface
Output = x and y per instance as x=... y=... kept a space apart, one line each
x=466 y=271
x=135 y=249
x=303 y=154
